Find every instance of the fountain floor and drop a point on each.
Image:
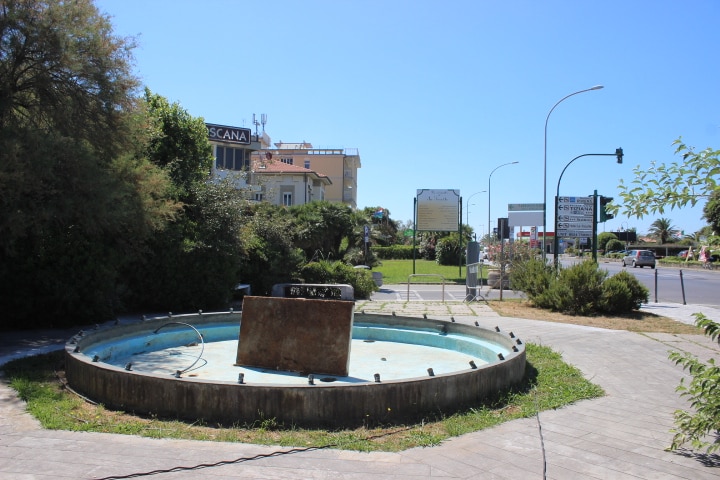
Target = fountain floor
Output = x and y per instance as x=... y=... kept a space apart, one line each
x=393 y=361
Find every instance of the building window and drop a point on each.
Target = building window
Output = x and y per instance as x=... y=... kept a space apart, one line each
x=287 y=160
x=307 y=164
x=287 y=199
x=229 y=158
x=258 y=197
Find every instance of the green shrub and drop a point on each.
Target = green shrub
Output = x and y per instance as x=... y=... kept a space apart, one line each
x=584 y=283
x=622 y=293
x=533 y=277
x=448 y=250
x=394 y=252
x=614 y=244
x=326 y=271
x=575 y=290
x=356 y=256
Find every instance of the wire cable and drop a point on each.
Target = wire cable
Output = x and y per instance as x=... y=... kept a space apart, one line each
x=239 y=460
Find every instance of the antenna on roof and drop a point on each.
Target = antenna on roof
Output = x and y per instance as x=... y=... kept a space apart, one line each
x=263 y=120
x=256 y=123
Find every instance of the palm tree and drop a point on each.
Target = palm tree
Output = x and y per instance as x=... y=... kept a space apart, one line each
x=662 y=229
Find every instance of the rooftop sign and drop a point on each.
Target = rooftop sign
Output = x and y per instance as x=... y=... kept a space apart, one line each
x=221 y=133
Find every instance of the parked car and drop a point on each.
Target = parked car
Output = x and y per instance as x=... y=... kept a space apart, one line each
x=639 y=258
x=683 y=254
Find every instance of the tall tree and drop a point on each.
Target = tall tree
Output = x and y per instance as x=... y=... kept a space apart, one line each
x=62 y=69
x=179 y=144
x=662 y=229
x=195 y=261
x=73 y=205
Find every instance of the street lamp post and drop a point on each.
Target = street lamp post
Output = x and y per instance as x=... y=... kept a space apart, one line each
x=488 y=190
x=467 y=213
x=467 y=207
x=596 y=87
x=556 y=240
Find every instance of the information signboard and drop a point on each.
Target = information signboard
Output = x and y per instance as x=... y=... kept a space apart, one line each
x=575 y=216
x=438 y=210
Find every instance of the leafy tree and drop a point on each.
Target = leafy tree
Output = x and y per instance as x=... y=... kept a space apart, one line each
x=179 y=144
x=711 y=213
x=194 y=262
x=269 y=255
x=603 y=238
x=62 y=69
x=675 y=186
x=320 y=228
x=671 y=186
x=703 y=392
x=75 y=200
x=614 y=244
x=662 y=229
x=384 y=229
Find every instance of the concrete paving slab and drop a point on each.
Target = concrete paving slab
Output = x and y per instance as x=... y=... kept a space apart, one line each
x=622 y=435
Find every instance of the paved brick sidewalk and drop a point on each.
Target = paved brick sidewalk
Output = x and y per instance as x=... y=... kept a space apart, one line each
x=620 y=436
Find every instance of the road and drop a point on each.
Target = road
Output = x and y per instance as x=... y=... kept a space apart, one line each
x=666 y=284
x=701 y=287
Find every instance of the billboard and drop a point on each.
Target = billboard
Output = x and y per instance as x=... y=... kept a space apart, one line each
x=438 y=210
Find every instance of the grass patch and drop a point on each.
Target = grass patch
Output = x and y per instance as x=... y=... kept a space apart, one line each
x=634 y=322
x=397 y=271
x=549 y=383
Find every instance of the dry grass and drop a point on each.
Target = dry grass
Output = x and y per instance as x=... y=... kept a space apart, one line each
x=636 y=322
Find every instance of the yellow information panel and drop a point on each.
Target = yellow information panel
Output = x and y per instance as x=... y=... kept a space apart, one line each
x=438 y=210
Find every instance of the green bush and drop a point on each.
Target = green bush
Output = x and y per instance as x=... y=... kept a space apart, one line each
x=394 y=252
x=583 y=282
x=326 y=271
x=614 y=244
x=582 y=289
x=448 y=250
x=531 y=276
x=575 y=290
x=622 y=293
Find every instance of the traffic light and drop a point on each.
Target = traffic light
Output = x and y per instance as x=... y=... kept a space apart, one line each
x=503 y=229
x=604 y=216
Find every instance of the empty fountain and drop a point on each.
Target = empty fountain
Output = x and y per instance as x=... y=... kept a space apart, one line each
x=399 y=369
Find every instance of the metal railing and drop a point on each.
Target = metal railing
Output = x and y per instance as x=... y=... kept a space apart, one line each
x=426 y=275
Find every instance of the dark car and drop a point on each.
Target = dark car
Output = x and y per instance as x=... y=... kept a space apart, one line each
x=639 y=258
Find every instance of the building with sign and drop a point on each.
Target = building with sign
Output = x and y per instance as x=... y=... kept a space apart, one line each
x=289 y=174
x=285 y=184
x=232 y=149
x=339 y=165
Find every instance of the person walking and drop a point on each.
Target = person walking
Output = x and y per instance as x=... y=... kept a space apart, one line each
x=704 y=257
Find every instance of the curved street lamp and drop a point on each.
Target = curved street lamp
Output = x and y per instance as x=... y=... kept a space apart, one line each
x=488 y=190
x=556 y=240
x=467 y=207
x=596 y=87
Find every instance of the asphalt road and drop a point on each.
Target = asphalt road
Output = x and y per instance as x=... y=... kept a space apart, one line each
x=691 y=286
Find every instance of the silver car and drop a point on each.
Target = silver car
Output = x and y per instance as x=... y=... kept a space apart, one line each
x=639 y=258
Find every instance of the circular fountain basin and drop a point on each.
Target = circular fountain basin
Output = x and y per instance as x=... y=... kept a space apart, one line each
x=422 y=366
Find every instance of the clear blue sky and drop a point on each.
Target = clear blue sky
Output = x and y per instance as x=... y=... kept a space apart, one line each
x=437 y=94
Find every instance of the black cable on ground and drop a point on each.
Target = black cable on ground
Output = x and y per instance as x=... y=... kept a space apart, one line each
x=237 y=460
